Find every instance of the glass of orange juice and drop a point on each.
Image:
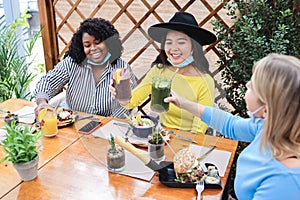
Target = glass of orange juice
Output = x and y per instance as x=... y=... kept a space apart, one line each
x=49 y=124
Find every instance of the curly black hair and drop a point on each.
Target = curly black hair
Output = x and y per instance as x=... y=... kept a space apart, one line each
x=199 y=59
x=102 y=30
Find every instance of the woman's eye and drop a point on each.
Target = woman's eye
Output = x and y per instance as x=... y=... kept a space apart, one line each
x=86 y=45
x=97 y=42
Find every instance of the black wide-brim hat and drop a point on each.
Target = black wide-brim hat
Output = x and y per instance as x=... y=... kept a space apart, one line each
x=184 y=22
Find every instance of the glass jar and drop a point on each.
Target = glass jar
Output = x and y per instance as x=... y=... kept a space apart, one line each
x=115 y=159
x=156 y=151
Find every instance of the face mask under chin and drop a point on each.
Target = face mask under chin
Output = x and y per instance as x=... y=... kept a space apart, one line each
x=186 y=62
x=108 y=55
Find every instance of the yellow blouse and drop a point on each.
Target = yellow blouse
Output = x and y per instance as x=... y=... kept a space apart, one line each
x=195 y=88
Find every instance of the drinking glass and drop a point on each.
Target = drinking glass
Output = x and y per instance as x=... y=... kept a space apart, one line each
x=121 y=78
x=156 y=151
x=49 y=124
x=161 y=88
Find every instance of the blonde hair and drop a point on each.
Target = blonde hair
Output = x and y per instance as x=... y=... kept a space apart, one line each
x=276 y=79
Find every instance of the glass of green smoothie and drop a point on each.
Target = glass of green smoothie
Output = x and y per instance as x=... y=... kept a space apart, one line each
x=161 y=88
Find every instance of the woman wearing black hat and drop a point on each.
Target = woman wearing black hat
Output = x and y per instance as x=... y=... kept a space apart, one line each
x=181 y=48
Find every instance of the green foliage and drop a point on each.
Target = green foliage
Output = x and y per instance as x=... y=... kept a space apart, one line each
x=261 y=27
x=20 y=143
x=14 y=75
x=156 y=137
x=112 y=143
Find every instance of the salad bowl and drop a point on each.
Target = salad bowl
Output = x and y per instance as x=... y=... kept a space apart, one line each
x=144 y=126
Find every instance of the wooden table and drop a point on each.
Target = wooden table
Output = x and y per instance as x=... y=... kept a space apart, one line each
x=72 y=166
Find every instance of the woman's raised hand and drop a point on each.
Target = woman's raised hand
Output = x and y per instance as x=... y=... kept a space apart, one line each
x=112 y=89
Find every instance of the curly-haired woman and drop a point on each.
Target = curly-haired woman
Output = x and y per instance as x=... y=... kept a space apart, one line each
x=86 y=69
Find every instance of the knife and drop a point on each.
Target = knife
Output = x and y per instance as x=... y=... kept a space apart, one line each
x=206 y=153
x=122 y=124
x=182 y=137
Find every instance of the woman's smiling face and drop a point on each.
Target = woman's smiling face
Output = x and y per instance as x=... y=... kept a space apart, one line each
x=178 y=46
x=94 y=49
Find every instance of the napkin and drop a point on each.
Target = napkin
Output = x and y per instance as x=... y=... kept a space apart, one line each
x=219 y=158
x=110 y=128
x=26 y=115
x=134 y=167
x=2 y=134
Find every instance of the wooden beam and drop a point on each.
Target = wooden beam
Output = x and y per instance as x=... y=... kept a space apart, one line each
x=47 y=21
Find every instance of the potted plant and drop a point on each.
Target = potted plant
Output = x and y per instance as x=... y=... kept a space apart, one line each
x=115 y=156
x=156 y=145
x=16 y=59
x=21 y=148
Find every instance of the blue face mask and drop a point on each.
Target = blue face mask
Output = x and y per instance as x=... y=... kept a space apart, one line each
x=187 y=61
x=108 y=55
x=252 y=114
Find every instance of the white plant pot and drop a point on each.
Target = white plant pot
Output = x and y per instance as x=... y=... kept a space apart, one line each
x=28 y=171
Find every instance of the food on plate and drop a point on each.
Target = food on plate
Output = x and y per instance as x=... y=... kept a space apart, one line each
x=187 y=167
x=140 y=121
x=184 y=160
x=11 y=116
x=65 y=116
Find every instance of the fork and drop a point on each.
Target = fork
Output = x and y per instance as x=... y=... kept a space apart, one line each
x=199 y=188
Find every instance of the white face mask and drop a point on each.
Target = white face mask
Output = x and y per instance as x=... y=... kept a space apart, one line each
x=252 y=114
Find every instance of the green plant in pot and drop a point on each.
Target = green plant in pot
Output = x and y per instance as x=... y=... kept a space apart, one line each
x=115 y=156
x=156 y=145
x=21 y=148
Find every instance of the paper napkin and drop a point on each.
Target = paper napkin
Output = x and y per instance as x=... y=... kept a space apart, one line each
x=217 y=157
x=26 y=115
x=136 y=168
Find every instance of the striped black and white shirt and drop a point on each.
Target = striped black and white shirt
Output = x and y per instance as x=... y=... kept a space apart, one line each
x=82 y=94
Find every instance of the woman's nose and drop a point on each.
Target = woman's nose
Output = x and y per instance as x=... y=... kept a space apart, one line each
x=93 y=46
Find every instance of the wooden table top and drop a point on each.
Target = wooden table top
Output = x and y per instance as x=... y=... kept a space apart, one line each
x=72 y=166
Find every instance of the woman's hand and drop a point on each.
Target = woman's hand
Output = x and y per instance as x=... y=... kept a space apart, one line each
x=112 y=89
x=193 y=107
x=41 y=104
x=175 y=99
x=113 y=92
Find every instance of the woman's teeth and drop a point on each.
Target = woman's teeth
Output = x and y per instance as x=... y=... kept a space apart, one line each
x=96 y=55
x=175 y=55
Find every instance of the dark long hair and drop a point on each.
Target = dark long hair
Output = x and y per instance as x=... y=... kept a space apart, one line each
x=102 y=30
x=199 y=59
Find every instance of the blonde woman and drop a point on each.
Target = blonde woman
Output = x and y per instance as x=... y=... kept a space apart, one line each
x=269 y=168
